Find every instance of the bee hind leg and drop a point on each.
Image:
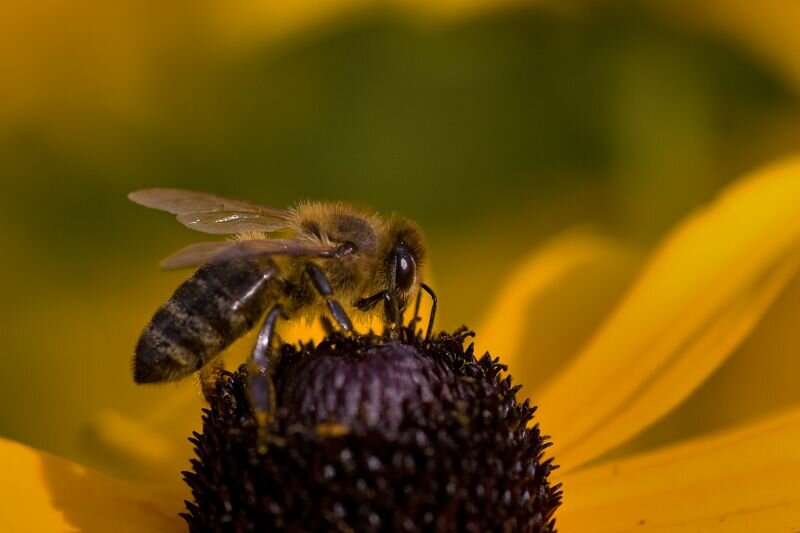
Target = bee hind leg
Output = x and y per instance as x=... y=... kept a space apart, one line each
x=260 y=387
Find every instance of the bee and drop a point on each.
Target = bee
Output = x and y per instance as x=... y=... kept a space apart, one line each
x=331 y=260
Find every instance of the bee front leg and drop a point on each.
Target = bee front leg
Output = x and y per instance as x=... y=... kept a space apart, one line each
x=412 y=324
x=260 y=389
x=391 y=312
x=432 y=316
x=323 y=287
x=366 y=304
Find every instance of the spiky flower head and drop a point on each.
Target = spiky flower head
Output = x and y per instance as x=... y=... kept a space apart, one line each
x=374 y=434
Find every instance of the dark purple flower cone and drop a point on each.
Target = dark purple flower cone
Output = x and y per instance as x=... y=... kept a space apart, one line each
x=373 y=434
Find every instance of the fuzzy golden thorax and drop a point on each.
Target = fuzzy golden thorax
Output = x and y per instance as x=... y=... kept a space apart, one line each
x=373 y=262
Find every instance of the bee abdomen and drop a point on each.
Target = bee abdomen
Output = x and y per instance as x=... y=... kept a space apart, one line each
x=209 y=311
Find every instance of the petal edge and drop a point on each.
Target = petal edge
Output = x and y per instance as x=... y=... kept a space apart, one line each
x=41 y=492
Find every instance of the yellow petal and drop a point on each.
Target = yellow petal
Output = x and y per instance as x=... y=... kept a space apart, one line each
x=137 y=442
x=700 y=294
x=741 y=480
x=767 y=361
x=552 y=302
x=41 y=492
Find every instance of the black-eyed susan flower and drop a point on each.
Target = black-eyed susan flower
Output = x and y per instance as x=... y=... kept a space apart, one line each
x=374 y=434
x=697 y=297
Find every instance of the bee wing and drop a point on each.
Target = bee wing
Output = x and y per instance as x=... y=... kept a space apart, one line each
x=210 y=213
x=224 y=251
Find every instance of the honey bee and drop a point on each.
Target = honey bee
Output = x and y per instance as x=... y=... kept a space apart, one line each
x=333 y=260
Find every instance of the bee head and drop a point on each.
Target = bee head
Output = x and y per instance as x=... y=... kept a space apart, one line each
x=403 y=253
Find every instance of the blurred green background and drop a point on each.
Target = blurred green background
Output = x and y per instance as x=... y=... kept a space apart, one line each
x=494 y=127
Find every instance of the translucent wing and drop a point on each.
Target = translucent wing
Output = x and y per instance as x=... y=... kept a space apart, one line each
x=223 y=251
x=210 y=213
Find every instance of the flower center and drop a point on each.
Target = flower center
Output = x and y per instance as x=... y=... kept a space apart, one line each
x=374 y=434
x=350 y=385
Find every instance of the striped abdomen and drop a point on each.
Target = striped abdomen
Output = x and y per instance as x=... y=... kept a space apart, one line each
x=209 y=311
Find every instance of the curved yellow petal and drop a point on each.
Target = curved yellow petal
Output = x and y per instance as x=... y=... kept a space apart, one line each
x=759 y=378
x=41 y=492
x=123 y=447
x=133 y=438
x=552 y=302
x=700 y=294
x=741 y=480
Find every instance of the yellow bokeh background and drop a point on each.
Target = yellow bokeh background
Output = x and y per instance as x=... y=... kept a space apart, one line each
x=495 y=125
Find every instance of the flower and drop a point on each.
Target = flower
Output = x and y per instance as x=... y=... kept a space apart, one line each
x=698 y=296
x=374 y=434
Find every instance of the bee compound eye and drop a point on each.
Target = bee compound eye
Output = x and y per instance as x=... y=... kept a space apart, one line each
x=404 y=268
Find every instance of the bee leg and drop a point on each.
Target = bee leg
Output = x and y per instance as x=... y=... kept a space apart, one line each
x=209 y=377
x=260 y=389
x=323 y=287
x=365 y=304
x=412 y=324
x=327 y=325
x=432 y=316
x=393 y=314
